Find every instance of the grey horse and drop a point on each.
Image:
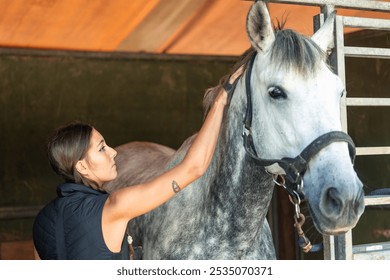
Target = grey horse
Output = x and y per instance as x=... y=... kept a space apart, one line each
x=222 y=215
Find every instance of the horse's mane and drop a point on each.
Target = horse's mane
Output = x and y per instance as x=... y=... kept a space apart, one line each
x=289 y=50
x=211 y=93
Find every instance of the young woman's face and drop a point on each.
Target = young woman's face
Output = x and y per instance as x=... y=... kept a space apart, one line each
x=99 y=164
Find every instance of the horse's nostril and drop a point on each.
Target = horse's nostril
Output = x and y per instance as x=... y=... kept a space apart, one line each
x=333 y=202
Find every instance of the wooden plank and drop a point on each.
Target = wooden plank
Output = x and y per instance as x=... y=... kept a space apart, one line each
x=19 y=212
x=17 y=250
x=73 y=24
x=211 y=30
x=159 y=25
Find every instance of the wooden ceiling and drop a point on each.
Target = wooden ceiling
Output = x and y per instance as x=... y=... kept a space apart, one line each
x=213 y=27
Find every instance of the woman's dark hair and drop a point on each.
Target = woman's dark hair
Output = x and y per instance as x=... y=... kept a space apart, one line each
x=65 y=147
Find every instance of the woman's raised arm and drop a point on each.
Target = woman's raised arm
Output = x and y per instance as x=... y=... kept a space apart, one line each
x=127 y=203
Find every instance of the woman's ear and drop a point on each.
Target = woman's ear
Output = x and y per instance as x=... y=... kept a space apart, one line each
x=81 y=168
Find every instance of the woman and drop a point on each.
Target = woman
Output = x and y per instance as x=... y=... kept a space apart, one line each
x=85 y=222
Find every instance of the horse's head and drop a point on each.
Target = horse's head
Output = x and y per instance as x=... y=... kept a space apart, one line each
x=296 y=99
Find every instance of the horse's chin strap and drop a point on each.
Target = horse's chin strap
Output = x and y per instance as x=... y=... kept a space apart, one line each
x=291 y=170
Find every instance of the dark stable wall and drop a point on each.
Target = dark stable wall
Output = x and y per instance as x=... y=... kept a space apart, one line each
x=127 y=97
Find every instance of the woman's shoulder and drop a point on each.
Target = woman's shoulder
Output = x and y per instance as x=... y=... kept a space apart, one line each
x=79 y=201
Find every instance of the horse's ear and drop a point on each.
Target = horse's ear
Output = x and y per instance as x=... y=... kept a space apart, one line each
x=259 y=27
x=324 y=36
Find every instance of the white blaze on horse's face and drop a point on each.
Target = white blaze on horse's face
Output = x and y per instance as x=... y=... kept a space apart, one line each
x=293 y=105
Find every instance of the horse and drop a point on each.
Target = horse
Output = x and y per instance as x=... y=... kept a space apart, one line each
x=282 y=121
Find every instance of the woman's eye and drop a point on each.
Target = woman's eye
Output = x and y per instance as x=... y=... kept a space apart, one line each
x=277 y=93
x=102 y=149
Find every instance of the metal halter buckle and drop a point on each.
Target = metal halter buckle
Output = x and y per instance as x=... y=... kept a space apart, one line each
x=246 y=131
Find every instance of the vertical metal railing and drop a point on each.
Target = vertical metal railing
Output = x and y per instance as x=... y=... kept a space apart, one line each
x=341 y=247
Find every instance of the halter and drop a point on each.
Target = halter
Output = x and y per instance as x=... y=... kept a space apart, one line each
x=293 y=168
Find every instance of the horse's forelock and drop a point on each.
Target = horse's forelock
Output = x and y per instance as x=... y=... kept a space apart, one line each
x=293 y=50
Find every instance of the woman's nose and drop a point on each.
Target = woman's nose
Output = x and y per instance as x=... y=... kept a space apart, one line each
x=113 y=152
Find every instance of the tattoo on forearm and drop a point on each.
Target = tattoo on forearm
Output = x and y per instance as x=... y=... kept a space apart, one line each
x=175 y=186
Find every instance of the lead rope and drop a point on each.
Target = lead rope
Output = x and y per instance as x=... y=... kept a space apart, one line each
x=299 y=219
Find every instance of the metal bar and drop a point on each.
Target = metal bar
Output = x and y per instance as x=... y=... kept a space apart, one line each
x=376 y=200
x=343 y=250
x=372 y=247
x=340 y=67
x=369 y=151
x=372 y=251
x=367 y=52
x=19 y=212
x=340 y=242
x=366 y=23
x=368 y=101
x=329 y=247
x=368 y=5
x=374 y=255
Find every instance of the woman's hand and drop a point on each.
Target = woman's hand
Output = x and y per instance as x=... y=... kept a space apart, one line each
x=223 y=95
x=236 y=74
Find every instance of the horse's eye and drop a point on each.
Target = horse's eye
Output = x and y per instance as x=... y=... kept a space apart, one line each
x=277 y=93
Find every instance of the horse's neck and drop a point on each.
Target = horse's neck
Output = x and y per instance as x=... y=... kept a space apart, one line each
x=241 y=189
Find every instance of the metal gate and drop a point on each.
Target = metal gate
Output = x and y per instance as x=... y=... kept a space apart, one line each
x=341 y=247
